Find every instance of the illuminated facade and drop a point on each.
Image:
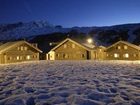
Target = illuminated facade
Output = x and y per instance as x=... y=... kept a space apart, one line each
x=18 y=51
x=73 y=50
x=123 y=51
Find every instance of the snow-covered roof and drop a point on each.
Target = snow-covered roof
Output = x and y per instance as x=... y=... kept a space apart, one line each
x=127 y=43
x=74 y=41
x=8 y=45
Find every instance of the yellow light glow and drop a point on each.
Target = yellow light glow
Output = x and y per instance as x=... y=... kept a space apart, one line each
x=89 y=40
x=28 y=57
x=17 y=57
x=126 y=55
x=125 y=47
x=116 y=55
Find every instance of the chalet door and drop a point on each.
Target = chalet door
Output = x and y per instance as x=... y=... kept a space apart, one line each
x=5 y=58
x=48 y=56
x=88 y=55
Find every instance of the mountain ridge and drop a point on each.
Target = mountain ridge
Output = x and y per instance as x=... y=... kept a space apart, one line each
x=105 y=34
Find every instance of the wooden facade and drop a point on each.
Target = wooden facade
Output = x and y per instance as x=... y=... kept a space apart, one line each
x=69 y=50
x=18 y=51
x=123 y=51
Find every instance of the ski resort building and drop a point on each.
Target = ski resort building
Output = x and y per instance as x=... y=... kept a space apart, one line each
x=123 y=50
x=70 y=49
x=18 y=51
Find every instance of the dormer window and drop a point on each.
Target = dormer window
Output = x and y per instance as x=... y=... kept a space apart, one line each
x=125 y=47
x=25 y=48
x=65 y=46
x=119 y=47
x=73 y=45
x=22 y=48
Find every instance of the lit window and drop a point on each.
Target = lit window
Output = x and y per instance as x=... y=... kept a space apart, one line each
x=21 y=48
x=25 y=48
x=125 y=47
x=66 y=55
x=126 y=55
x=18 y=48
x=100 y=50
x=21 y=57
x=116 y=55
x=65 y=46
x=28 y=57
x=73 y=45
x=119 y=47
x=17 y=57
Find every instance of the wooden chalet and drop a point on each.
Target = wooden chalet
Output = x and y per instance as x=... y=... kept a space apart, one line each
x=18 y=51
x=123 y=50
x=70 y=49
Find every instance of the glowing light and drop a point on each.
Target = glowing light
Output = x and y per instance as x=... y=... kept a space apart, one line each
x=126 y=55
x=116 y=55
x=17 y=57
x=125 y=47
x=89 y=40
x=119 y=47
x=28 y=57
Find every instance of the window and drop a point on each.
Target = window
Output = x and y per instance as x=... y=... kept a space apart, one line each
x=57 y=55
x=21 y=48
x=126 y=55
x=119 y=47
x=25 y=48
x=135 y=55
x=21 y=57
x=116 y=55
x=28 y=57
x=100 y=50
x=18 y=48
x=83 y=55
x=125 y=47
x=65 y=46
x=17 y=57
x=65 y=55
x=9 y=58
x=73 y=45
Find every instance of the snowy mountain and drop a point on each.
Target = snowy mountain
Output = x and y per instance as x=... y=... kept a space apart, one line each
x=22 y=30
x=105 y=35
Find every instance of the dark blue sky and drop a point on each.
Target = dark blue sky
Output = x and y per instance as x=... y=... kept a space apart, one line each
x=70 y=13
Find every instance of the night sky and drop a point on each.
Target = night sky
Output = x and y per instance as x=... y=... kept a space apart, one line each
x=70 y=13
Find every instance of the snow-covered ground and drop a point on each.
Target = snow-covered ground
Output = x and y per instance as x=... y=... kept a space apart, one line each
x=70 y=83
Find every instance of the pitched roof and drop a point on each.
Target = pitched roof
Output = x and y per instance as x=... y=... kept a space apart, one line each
x=127 y=43
x=68 y=39
x=9 y=45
